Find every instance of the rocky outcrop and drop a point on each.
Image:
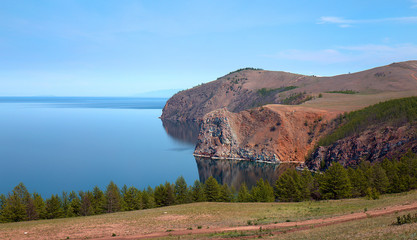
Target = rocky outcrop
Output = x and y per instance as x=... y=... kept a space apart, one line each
x=374 y=144
x=273 y=133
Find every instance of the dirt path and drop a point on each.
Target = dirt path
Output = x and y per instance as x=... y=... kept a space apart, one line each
x=413 y=75
x=310 y=223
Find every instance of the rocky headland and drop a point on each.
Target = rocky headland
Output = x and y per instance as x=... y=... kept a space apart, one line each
x=259 y=115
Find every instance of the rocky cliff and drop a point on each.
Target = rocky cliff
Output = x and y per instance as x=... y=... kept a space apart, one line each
x=273 y=133
x=384 y=130
x=373 y=145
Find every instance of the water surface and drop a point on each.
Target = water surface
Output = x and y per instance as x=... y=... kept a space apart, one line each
x=63 y=144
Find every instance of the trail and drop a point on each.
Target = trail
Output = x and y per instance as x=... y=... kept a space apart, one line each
x=413 y=75
x=301 y=225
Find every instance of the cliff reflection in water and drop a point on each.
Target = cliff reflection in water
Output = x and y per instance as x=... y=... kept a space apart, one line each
x=185 y=131
x=233 y=173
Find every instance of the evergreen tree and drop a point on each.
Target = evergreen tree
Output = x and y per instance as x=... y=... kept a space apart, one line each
x=358 y=182
x=288 y=187
x=161 y=196
x=53 y=207
x=211 y=189
x=170 y=193
x=75 y=204
x=113 y=198
x=392 y=171
x=225 y=194
x=65 y=201
x=380 y=181
x=40 y=205
x=243 y=195
x=86 y=207
x=99 y=201
x=13 y=209
x=148 y=199
x=181 y=191
x=307 y=184
x=262 y=192
x=197 y=192
x=31 y=211
x=335 y=183
x=132 y=199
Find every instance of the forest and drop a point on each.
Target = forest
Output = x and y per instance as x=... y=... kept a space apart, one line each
x=395 y=113
x=366 y=180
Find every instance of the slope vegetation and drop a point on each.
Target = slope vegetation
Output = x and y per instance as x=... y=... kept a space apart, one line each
x=382 y=130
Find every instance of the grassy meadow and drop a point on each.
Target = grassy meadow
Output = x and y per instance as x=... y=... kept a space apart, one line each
x=213 y=215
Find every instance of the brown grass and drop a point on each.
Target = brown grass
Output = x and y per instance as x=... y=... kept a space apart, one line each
x=181 y=217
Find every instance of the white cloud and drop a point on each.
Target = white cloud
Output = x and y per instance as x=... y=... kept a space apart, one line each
x=370 y=53
x=343 y=22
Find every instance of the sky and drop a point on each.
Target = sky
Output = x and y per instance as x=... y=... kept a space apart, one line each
x=125 y=48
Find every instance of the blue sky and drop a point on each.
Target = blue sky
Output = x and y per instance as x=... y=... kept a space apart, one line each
x=122 y=48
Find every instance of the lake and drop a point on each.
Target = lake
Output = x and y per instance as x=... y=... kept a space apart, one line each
x=55 y=144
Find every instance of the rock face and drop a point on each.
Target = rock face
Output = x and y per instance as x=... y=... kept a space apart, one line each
x=374 y=144
x=271 y=133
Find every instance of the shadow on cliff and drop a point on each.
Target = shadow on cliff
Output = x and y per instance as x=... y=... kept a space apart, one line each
x=184 y=131
x=234 y=173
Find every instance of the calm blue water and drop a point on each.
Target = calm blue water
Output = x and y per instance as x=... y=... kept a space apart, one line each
x=63 y=144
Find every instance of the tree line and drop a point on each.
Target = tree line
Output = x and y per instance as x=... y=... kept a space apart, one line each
x=367 y=179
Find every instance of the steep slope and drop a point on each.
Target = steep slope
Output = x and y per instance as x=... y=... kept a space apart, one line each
x=248 y=88
x=384 y=130
x=273 y=133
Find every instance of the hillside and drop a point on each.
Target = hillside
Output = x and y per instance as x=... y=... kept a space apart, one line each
x=249 y=88
x=384 y=130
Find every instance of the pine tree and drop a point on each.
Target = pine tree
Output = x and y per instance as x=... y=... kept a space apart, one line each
x=132 y=199
x=148 y=198
x=335 y=183
x=113 y=198
x=380 y=181
x=358 y=182
x=86 y=207
x=13 y=209
x=40 y=205
x=170 y=193
x=392 y=171
x=181 y=191
x=243 y=195
x=225 y=194
x=75 y=203
x=211 y=189
x=99 y=201
x=53 y=207
x=288 y=187
x=161 y=196
x=307 y=184
x=262 y=192
x=197 y=192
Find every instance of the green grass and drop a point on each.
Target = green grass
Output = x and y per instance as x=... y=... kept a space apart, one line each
x=268 y=91
x=181 y=217
x=343 y=91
